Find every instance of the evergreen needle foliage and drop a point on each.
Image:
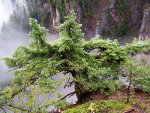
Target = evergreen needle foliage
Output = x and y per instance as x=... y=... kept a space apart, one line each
x=93 y=65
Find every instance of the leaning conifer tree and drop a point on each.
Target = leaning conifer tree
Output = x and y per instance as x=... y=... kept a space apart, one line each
x=92 y=65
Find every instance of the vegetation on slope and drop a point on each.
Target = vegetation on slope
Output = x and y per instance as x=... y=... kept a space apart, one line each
x=116 y=103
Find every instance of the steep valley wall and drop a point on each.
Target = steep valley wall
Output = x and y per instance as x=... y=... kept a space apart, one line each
x=108 y=18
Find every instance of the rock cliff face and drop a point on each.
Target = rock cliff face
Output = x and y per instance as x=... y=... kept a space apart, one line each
x=108 y=18
x=145 y=28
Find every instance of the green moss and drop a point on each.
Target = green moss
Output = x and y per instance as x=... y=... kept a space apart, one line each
x=122 y=28
x=142 y=106
x=107 y=106
x=148 y=100
x=102 y=106
x=84 y=4
x=119 y=31
x=121 y=6
x=109 y=32
x=148 y=111
x=43 y=18
x=95 y=2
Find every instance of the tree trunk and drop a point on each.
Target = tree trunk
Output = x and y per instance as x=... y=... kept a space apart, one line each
x=128 y=91
x=130 y=81
x=82 y=94
x=144 y=33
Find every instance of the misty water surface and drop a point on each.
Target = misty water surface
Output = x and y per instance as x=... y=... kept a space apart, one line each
x=8 y=43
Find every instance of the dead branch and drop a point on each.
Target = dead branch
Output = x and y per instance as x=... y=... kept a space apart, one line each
x=10 y=105
x=14 y=69
x=3 y=110
x=129 y=111
x=70 y=94
x=67 y=83
x=70 y=84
